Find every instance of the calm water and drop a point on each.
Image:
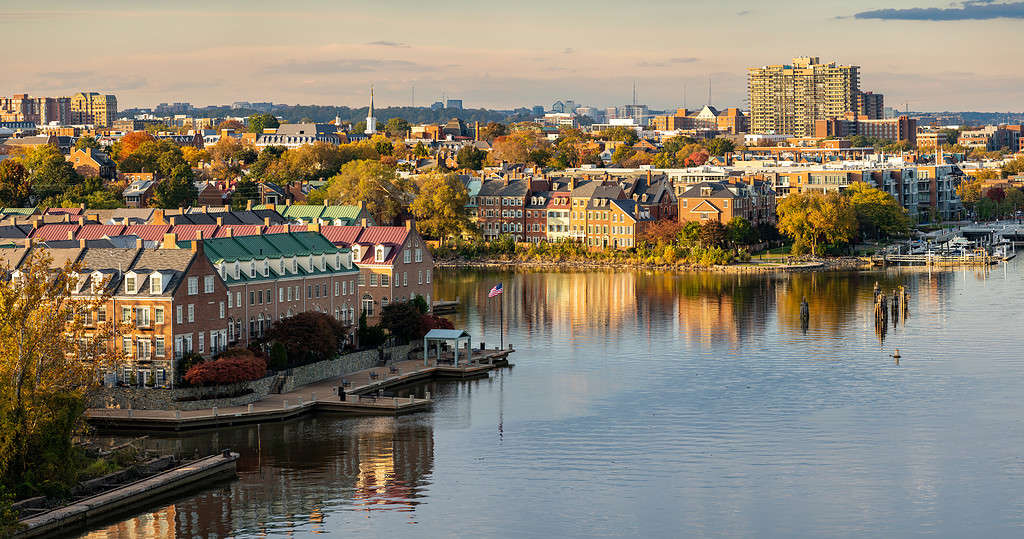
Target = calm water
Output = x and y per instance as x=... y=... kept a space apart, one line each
x=665 y=405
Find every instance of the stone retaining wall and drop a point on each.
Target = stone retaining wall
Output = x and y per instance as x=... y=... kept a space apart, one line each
x=171 y=399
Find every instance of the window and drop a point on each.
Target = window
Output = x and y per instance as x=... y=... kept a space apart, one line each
x=428 y=276
x=362 y=279
x=126 y=346
x=208 y=284
x=193 y=286
x=405 y=278
x=259 y=297
x=379 y=254
x=177 y=314
x=238 y=299
x=126 y=314
x=177 y=347
x=383 y=302
x=420 y=280
x=407 y=256
x=191 y=313
x=201 y=348
x=368 y=305
x=385 y=280
x=373 y=279
x=289 y=293
x=419 y=255
x=158 y=347
x=344 y=289
x=222 y=312
x=280 y=295
x=252 y=297
x=155 y=283
x=101 y=314
x=337 y=289
x=142 y=316
x=129 y=284
x=143 y=349
x=229 y=300
x=270 y=296
x=309 y=291
x=298 y=292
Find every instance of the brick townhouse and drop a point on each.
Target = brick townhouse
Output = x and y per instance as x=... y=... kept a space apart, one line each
x=394 y=264
x=274 y=276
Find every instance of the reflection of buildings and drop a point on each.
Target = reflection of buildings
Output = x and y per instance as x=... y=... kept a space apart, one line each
x=295 y=475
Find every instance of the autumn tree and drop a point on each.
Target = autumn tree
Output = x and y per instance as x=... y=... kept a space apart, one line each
x=471 y=157
x=234 y=125
x=174 y=192
x=259 y=122
x=878 y=212
x=518 y=147
x=308 y=336
x=14 y=185
x=49 y=173
x=396 y=127
x=53 y=351
x=814 y=219
x=87 y=141
x=131 y=142
x=440 y=207
x=719 y=146
x=194 y=156
x=969 y=192
x=493 y=130
x=379 y=187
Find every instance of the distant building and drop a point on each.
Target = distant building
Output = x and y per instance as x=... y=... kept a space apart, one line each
x=454 y=104
x=437 y=105
x=871 y=105
x=38 y=110
x=90 y=162
x=537 y=111
x=93 y=108
x=371 y=121
x=787 y=99
x=722 y=201
x=895 y=129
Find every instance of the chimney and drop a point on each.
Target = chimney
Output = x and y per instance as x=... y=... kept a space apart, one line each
x=28 y=242
x=408 y=224
x=313 y=227
x=181 y=210
x=363 y=222
x=325 y=202
x=361 y=204
x=67 y=217
x=82 y=206
x=140 y=243
x=158 y=217
x=170 y=241
x=266 y=221
x=229 y=233
x=35 y=224
x=649 y=176
x=71 y=234
x=227 y=207
x=174 y=220
x=220 y=221
x=81 y=221
x=81 y=243
x=197 y=246
x=248 y=205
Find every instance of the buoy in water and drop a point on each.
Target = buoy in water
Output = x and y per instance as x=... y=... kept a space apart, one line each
x=897 y=354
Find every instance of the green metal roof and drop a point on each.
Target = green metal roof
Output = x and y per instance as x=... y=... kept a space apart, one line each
x=349 y=212
x=305 y=212
x=269 y=247
x=17 y=211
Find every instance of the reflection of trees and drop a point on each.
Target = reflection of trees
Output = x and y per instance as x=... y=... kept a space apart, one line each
x=292 y=473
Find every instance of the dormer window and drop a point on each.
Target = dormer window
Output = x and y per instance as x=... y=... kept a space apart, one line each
x=130 y=283
x=281 y=266
x=355 y=253
x=266 y=268
x=156 y=282
x=97 y=281
x=252 y=268
x=378 y=255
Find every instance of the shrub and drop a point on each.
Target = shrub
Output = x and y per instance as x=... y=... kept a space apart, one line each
x=278 y=356
x=240 y=366
x=308 y=336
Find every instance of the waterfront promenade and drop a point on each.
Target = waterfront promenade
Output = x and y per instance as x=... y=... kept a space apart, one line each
x=362 y=397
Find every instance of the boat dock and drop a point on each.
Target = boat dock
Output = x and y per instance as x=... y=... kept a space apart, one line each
x=363 y=391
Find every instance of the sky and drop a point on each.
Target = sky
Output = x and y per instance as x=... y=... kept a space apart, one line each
x=928 y=55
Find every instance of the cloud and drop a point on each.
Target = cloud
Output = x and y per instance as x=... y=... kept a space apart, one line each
x=347 y=65
x=742 y=13
x=568 y=50
x=969 y=10
x=395 y=44
x=682 y=60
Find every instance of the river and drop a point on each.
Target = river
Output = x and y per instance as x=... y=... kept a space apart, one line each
x=665 y=405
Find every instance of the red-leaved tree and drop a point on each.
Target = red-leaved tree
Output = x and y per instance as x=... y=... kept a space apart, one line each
x=232 y=367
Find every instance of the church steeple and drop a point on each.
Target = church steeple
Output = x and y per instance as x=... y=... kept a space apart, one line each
x=371 y=122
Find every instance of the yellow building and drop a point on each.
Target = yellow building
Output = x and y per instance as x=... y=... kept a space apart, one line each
x=787 y=99
x=94 y=108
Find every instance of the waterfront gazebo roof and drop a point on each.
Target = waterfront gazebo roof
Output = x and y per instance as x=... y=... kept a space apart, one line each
x=439 y=336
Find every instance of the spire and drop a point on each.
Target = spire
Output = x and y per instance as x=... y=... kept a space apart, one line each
x=371 y=122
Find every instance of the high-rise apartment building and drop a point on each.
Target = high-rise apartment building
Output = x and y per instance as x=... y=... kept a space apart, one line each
x=94 y=108
x=871 y=105
x=38 y=110
x=787 y=99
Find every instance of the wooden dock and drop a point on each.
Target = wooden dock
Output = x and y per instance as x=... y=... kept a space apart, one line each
x=362 y=397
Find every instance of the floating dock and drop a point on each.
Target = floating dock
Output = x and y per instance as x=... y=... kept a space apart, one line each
x=142 y=493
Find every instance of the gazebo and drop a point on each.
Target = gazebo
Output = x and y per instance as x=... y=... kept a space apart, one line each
x=441 y=336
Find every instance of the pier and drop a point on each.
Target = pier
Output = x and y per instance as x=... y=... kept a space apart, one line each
x=362 y=390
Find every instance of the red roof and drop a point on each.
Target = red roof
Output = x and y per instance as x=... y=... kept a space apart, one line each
x=63 y=211
x=95 y=232
x=188 y=232
x=281 y=229
x=342 y=236
x=54 y=232
x=148 y=232
x=239 y=230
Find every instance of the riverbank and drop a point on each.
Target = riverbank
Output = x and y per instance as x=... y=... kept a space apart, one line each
x=769 y=265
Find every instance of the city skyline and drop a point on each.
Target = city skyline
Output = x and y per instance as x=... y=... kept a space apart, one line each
x=509 y=56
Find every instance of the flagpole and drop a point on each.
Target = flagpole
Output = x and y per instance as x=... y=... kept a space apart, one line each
x=501 y=318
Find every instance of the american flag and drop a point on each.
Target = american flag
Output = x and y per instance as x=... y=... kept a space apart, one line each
x=495 y=291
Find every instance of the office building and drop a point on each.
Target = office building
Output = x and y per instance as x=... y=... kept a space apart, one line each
x=787 y=99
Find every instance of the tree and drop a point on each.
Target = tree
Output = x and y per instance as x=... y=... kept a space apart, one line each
x=492 y=131
x=518 y=147
x=621 y=154
x=234 y=125
x=712 y=234
x=440 y=207
x=174 y=192
x=234 y=366
x=382 y=145
x=245 y=190
x=471 y=157
x=969 y=192
x=396 y=127
x=308 y=336
x=878 y=212
x=14 y=186
x=379 y=187
x=92 y=191
x=259 y=122
x=131 y=142
x=1014 y=200
x=813 y=219
x=623 y=134
x=87 y=141
x=719 y=146
x=51 y=360
x=403 y=320
x=194 y=156
x=49 y=172
x=1014 y=167
x=739 y=232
